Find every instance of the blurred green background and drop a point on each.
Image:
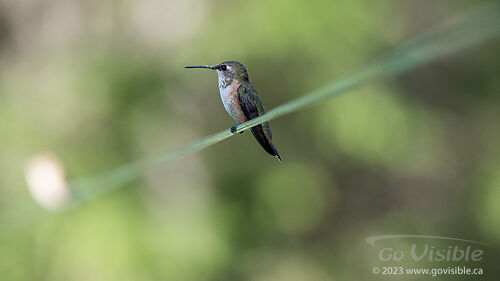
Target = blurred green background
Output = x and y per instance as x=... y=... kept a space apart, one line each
x=101 y=83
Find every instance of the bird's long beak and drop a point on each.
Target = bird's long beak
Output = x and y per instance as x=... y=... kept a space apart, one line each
x=201 y=66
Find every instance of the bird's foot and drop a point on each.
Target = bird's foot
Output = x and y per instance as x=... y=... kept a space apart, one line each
x=233 y=128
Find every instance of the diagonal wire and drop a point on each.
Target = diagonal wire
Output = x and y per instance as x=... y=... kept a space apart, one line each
x=473 y=28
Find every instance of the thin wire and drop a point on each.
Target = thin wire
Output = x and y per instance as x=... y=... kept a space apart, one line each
x=473 y=28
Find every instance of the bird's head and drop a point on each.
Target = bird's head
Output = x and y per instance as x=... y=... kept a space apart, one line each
x=227 y=71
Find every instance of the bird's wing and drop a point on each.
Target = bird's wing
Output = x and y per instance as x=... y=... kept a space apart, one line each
x=252 y=107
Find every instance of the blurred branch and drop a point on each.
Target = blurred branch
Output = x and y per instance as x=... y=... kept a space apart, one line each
x=473 y=28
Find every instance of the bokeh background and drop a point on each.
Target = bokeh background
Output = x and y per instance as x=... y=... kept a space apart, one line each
x=98 y=84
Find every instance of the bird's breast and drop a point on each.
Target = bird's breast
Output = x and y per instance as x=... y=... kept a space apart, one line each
x=230 y=99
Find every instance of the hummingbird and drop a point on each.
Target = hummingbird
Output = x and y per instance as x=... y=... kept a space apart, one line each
x=241 y=101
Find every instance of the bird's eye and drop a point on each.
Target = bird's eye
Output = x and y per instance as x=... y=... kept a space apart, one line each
x=223 y=67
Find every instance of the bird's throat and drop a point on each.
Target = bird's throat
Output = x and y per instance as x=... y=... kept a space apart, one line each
x=225 y=82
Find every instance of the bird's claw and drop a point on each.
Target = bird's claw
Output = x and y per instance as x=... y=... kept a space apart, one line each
x=233 y=129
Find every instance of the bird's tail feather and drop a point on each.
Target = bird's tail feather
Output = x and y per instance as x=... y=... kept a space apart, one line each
x=265 y=141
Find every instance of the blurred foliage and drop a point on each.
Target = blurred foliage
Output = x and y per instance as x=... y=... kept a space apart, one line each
x=101 y=83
